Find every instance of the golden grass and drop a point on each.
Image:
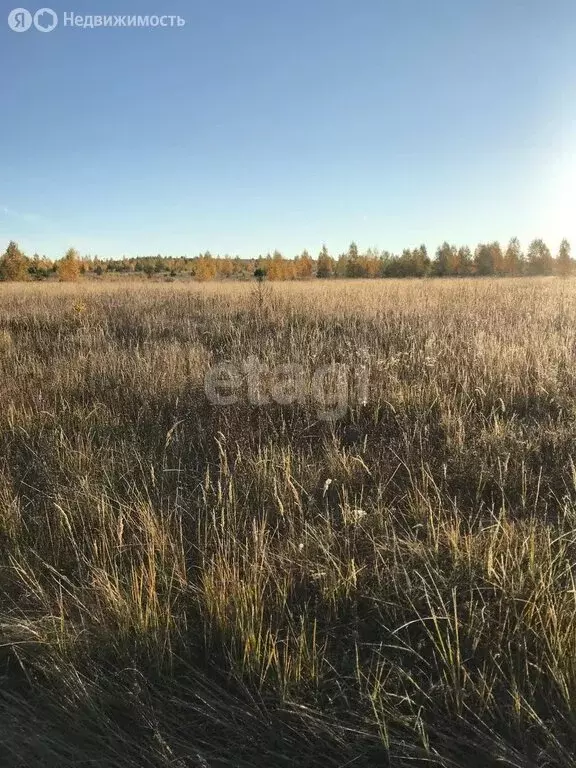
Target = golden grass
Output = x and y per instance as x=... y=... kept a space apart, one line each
x=179 y=584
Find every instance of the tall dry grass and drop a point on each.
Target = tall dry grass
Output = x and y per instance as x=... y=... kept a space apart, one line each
x=179 y=584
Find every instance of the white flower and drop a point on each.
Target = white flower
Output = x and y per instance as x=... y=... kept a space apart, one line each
x=354 y=516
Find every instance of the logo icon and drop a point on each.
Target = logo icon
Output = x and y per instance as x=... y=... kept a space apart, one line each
x=45 y=20
x=19 y=20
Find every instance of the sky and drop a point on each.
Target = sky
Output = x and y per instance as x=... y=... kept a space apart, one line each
x=262 y=125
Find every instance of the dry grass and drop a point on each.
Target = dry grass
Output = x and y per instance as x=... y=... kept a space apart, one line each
x=176 y=587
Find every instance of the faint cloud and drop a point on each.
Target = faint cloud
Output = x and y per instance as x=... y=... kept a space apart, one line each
x=32 y=218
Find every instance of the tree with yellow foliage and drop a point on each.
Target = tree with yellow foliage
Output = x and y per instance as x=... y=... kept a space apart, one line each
x=303 y=266
x=225 y=267
x=276 y=267
x=69 y=266
x=205 y=268
x=13 y=264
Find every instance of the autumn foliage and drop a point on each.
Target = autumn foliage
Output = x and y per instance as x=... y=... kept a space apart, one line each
x=69 y=267
x=13 y=265
x=487 y=259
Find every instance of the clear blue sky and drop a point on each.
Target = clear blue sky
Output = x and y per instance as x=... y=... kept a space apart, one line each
x=264 y=124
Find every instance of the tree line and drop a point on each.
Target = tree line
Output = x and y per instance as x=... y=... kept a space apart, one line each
x=15 y=266
x=488 y=259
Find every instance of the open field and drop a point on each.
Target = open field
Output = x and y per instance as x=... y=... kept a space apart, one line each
x=181 y=586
